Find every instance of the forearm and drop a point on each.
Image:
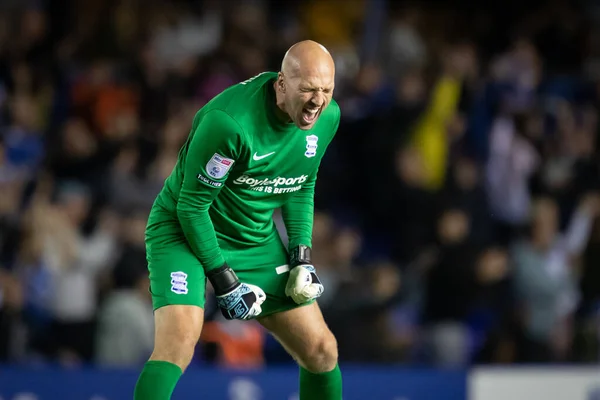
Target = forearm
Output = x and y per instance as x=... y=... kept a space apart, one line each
x=298 y=215
x=211 y=153
x=200 y=235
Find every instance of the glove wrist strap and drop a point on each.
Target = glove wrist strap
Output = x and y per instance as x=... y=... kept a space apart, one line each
x=223 y=279
x=300 y=255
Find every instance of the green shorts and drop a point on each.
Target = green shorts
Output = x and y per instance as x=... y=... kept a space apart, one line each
x=177 y=277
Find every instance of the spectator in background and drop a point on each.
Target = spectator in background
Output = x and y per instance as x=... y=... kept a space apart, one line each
x=237 y=345
x=518 y=74
x=440 y=124
x=103 y=101
x=125 y=333
x=568 y=169
x=23 y=141
x=457 y=283
x=406 y=49
x=338 y=31
x=465 y=189
x=544 y=278
x=405 y=209
x=12 y=184
x=56 y=244
x=341 y=257
x=78 y=155
x=469 y=115
x=449 y=287
x=129 y=186
x=589 y=279
x=587 y=335
x=394 y=126
x=512 y=162
x=11 y=304
x=362 y=314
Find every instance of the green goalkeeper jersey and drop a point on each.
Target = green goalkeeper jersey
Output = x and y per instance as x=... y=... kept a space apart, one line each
x=240 y=163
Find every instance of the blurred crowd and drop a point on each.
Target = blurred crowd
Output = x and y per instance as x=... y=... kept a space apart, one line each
x=457 y=209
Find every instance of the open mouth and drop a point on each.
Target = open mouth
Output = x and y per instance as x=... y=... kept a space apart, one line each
x=309 y=115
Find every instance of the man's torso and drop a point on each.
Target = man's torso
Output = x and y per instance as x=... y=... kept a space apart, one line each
x=276 y=160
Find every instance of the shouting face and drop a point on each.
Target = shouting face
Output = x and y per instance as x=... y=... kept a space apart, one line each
x=305 y=85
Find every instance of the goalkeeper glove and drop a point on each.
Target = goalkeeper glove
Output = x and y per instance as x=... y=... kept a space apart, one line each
x=235 y=299
x=303 y=283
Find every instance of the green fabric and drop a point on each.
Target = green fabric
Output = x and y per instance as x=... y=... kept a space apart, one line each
x=321 y=386
x=157 y=381
x=239 y=163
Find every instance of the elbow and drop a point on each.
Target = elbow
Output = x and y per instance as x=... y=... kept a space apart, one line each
x=186 y=212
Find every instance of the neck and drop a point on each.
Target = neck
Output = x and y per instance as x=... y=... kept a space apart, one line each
x=280 y=111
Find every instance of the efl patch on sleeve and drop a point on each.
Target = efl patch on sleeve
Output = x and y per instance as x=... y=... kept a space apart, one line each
x=209 y=182
x=218 y=166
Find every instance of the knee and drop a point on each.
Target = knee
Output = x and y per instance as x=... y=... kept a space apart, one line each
x=176 y=336
x=321 y=355
x=176 y=349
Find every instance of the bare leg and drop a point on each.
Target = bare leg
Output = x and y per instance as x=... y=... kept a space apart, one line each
x=306 y=337
x=177 y=330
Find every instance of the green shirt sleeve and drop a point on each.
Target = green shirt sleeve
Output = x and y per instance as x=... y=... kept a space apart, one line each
x=211 y=152
x=298 y=212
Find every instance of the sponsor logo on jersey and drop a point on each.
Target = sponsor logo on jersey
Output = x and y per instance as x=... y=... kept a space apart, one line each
x=218 y=166
x=277 y=185
x=311 y=145
x=256 y=157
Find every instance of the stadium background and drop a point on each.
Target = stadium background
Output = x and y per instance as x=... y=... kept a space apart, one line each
x=457 y=232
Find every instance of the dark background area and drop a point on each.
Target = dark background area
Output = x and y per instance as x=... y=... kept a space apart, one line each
x=457 y=217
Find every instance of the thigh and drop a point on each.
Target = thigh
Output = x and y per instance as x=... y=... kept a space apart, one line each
x=302 y=331
x=265 y=266
x=176 y=275
x=177 y=331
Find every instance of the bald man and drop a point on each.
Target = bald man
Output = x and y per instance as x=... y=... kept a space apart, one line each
x=252 y=149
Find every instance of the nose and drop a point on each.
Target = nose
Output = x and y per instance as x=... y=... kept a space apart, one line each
x=317 y=100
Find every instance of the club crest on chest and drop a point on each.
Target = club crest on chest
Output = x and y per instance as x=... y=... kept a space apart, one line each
x=311 y=146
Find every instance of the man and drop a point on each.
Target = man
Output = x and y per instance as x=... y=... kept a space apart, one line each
x=255 y=147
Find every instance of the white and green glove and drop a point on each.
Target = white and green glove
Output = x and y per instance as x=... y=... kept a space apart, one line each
x=303 y=284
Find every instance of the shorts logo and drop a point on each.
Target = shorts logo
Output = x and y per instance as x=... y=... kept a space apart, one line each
x=179 y=282
x=218 y=166
x=311 y=145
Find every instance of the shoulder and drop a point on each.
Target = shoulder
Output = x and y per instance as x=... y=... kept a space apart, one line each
x=216 y=118
x=217 y=125
x=239 y=98
x=331 y=116
x=239 y=102
x=335 y=108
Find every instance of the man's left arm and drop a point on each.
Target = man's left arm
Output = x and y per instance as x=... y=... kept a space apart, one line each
x=298 y=212
x=303 y=284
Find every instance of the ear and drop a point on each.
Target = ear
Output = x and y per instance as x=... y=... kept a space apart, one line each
x=281 y=82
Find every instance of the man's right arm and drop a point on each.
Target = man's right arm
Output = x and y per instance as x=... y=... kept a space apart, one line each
x=211 y=153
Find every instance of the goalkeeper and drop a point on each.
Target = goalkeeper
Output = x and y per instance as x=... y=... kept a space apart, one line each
x=252 y=149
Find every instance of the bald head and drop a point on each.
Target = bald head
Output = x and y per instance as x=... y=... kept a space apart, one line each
x=305 y=84
x=306 y=55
